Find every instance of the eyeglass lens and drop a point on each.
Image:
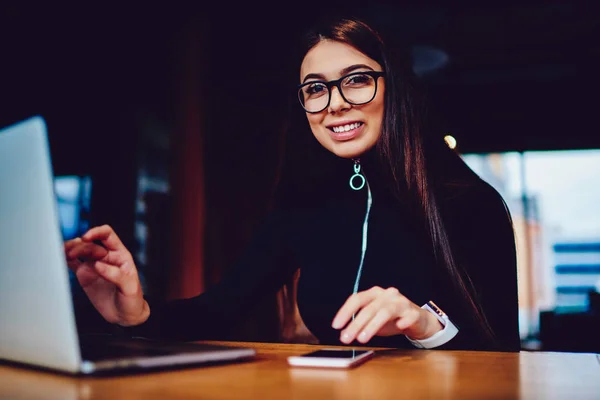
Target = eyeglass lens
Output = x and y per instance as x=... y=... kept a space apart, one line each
x=356 y=89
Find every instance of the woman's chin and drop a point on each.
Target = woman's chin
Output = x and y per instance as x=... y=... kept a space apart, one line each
x=350 y=149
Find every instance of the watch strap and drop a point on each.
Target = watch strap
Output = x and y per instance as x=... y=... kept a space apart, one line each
x=439 y=338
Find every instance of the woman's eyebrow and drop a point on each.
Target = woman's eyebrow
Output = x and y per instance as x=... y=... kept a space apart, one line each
x=354 y=67
x=344 y=71
x=320 y=77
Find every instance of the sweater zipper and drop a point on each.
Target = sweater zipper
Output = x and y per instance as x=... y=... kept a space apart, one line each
x=365 y=230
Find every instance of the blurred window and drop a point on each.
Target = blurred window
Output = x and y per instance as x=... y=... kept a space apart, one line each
x=554 y=199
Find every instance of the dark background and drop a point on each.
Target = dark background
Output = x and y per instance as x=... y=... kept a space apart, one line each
x=114 y=84
x=520 y=76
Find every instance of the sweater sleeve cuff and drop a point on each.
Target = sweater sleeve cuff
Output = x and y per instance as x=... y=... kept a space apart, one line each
x=439 y=338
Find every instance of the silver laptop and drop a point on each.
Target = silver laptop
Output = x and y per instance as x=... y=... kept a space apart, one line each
x=37 y=320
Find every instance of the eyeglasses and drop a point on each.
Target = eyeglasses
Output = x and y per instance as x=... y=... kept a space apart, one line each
x=356 y=88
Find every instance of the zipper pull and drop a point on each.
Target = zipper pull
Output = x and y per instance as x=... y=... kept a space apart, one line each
x=357 y=175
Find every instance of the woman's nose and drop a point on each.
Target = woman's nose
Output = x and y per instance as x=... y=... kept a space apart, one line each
x=337 y=102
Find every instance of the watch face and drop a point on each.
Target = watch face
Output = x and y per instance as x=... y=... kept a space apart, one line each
x=435 y=308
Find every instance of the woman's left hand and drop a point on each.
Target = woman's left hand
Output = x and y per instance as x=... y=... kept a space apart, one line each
x=383 y=312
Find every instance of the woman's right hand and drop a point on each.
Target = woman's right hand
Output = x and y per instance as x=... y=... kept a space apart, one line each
x=108 y=276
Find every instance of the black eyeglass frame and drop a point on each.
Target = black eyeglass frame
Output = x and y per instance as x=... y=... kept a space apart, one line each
x=337 y=83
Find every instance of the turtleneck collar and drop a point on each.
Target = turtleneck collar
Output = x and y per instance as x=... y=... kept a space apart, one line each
x=371 y=168
x=327 y=177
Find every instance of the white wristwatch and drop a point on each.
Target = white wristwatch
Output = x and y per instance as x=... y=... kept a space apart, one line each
x=442 y=337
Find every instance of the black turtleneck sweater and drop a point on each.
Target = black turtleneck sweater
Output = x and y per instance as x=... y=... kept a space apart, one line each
x=322 y=235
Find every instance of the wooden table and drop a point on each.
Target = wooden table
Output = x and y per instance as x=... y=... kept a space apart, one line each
x=392 y=374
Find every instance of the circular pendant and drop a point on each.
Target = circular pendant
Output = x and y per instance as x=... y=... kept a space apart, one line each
x=361 y=181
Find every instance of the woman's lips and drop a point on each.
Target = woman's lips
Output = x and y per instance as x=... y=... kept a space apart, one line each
x=346 y=135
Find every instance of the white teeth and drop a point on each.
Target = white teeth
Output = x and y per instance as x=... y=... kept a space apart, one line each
x=346 y=128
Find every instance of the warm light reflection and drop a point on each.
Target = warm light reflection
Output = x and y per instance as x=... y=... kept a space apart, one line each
x=450 y=141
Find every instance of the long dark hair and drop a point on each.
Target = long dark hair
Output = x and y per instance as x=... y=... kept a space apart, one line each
x=408 y=146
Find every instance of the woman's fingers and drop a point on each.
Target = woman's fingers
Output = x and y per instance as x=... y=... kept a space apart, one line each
x=126 y=283
x=69 y=244
x=352 y=305
x=376 y=311
x=111 y=260
x=407 y=320
x=107 y=236
x=375 y=325
x=85 y=251
x=73 y=265
x=73 y=262
x=106 y=271
x=364 y=316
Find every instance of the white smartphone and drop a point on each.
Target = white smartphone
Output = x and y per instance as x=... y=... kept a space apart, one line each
x=331 y=358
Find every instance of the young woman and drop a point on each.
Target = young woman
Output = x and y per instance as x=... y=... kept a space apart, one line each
x=387 y=224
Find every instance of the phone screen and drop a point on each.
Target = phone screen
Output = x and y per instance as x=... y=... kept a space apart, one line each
x=335 y=354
